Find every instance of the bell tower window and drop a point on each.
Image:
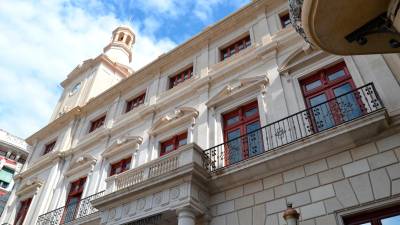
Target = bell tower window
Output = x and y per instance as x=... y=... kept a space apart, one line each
x=128 y=40
x=121 y=37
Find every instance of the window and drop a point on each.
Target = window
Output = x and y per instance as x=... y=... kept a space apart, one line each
x=4 y=184
x=387 y=216
x=173 y=143
x=180 y=77
x=13 y=156
x=120 y=166
x=243 y=120
x=75 y=88
x=97 y=123
x=331 y=83
x=73 y=200
x=121 y=37
x=128 y=40
x=22 y=211
x=235 y=47
x=6 y=175
x=135 y=102
x=285 y=19
x=22 y=160
x=49 y=147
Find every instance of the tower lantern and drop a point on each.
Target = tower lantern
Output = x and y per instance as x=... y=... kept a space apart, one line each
x=120 y=48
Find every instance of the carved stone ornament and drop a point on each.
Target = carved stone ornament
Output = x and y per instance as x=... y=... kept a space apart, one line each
x=31 y=186
x=112 y=213
x=82 y=163
x=141 y=204
x=237 y=88
x=157 y=198
x=174 y=193
x=175 y=118
x=122 y=143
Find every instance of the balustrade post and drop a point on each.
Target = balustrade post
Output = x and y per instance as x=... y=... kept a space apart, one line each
x=146 y=173
x=111 y=185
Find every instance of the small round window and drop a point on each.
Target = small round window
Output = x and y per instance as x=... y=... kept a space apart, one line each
x=75 y=88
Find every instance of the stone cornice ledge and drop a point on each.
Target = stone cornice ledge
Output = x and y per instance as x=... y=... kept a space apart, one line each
x=31 y=186
x=89 y=139
x=43 y=163
x=54 y=125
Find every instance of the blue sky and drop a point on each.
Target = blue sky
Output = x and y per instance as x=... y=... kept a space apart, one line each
x=42 y=41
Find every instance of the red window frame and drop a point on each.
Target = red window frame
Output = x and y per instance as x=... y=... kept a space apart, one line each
x=135 y=102
x=97 y=123
x=22 y=211
x=327 y=87
x=174 y=141
x=241 y=124
x=123 y=165
x=285 y=19
x=373 y=217
x=75 y=191
x=180 y=77
x=236 y=47
x=49 y=147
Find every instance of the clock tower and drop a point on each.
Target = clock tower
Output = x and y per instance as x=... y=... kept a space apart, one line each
x=94 y=76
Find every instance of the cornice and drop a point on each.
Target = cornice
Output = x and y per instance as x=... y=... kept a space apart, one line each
x=238 y=88
x=83 y=163
x=30 y=187
x=89 y=140
x=91 y=63
x=41 y=164
x=54 y=125
x=179 y=116
x=121 y=144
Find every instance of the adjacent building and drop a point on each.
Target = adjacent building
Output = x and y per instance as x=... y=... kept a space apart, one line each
x=225 y=129
x=13 y=155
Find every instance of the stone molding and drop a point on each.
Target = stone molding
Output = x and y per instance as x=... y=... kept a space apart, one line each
x=42 y=164
x=173 y=119
x=30 y=187
x=82 y=163
x=122 y=143
x=238 y=88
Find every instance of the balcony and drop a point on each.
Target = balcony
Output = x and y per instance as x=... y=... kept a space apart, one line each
x=372 y=30
x=319 y=119
x=71 y=212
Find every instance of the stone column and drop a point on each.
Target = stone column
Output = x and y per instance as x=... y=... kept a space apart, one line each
x=186 y=216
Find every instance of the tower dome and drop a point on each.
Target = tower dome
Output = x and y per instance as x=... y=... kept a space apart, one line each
x=119 y=49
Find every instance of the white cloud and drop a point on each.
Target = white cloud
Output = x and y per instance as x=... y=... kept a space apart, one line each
x=41 y=42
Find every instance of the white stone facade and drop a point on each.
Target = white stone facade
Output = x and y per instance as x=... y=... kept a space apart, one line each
x=326 y=175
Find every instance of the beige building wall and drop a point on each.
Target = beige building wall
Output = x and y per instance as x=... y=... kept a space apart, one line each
x=342 y=170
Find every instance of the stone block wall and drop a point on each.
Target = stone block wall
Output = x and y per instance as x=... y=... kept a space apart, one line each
x=362 y=175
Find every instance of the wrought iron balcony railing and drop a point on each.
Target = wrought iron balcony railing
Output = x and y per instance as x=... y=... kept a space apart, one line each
x=342 y=109
x=70 y=212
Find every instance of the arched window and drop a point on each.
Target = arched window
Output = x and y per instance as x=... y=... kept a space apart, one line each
x=121 y=37
x=128 y=40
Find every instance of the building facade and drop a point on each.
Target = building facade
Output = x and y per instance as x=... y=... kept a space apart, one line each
x=225 y=129
x=13 y=155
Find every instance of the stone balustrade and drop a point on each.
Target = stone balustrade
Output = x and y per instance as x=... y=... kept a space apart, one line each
x=188 y=154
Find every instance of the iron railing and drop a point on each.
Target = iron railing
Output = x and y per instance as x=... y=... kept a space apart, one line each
x=320 y=117
x=70 y=212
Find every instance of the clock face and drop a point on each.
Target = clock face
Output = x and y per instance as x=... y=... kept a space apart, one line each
x=75 y=89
